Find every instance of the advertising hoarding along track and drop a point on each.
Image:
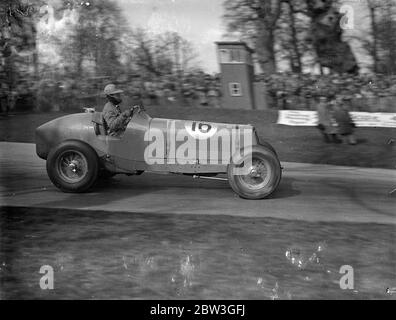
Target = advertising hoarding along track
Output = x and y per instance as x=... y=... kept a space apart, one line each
x=361 y=119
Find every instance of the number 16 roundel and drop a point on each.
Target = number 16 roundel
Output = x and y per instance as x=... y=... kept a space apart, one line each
x=200 y=130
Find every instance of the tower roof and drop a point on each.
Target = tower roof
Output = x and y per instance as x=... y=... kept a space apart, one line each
x=235 y=43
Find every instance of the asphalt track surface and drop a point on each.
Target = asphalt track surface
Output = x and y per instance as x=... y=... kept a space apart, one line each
x=307 y=192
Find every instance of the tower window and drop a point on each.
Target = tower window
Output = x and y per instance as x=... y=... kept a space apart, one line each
x=224 y=56
x=232 y=55
x=235 y=89
x=236 y=55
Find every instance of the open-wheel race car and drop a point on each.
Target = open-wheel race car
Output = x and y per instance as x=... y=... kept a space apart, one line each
x=78 y=151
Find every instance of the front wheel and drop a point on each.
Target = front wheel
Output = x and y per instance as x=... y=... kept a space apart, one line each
x=73 y=166
x=258 y=178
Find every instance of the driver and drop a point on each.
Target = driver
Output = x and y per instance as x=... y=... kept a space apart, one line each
x=115 y=121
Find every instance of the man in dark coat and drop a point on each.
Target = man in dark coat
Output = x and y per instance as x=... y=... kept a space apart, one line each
x=344 y=121
x=115 y=121
x=326 y=122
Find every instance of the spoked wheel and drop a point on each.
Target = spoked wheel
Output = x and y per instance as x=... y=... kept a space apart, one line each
x=258 y=174
x=259 y=177
x=73 y=166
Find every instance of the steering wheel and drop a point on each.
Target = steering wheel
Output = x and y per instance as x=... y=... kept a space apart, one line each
x=139 y=108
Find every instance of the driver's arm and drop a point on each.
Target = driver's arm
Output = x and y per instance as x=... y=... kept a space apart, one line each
x=116 y=121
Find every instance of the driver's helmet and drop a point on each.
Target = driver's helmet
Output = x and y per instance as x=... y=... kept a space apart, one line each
x=111 y=89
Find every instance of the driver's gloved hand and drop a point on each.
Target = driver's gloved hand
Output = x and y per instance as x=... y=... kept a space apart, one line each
x=137 y=108
x=128 y=113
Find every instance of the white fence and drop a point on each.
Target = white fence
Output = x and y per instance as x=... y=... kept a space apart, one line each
x=361 y=119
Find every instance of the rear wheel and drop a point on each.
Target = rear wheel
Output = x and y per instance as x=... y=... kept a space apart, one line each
x=73 y=166
x=257 y=178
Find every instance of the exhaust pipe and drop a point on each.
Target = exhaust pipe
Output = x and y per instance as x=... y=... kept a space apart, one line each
x=195 y=176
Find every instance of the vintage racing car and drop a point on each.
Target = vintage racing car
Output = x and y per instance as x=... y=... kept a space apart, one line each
x=79 y=151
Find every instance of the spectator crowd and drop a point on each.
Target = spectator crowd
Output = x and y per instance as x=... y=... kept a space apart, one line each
x=302 y=91
x=65 y=92
x=62 y=92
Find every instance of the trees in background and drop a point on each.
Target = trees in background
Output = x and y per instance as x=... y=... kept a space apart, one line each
x=73 y=43
x=380 y=44
x=69 y=41
x=326 y=36
x=386 y=34
x=18 y=50
x=96 y=40
x=88 y=44
x=295 y=26
x=379 y=40
x=159 y=54
x=256 y=22
x=291 y=36
x=102 y=43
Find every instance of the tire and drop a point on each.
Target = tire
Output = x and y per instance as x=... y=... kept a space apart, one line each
x=73 y=166
x=260 y=183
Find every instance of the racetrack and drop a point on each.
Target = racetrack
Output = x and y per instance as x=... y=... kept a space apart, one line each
x=171 y=237
x=306 y=192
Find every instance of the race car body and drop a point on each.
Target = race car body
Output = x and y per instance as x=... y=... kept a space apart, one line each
x=78 y=151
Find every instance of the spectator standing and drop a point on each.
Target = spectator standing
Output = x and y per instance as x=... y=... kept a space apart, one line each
x=4 y=103
x=344 y=121
x=213 y=96
x=201 y=90
x=188 y=94
x=326 y=123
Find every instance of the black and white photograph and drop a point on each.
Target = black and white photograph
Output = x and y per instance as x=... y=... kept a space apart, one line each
x=214 y=152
